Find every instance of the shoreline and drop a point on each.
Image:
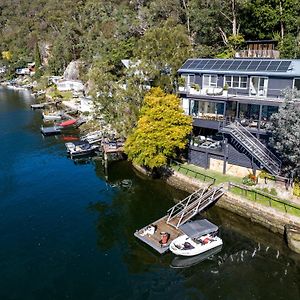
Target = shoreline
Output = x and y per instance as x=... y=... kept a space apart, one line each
x=268 y=217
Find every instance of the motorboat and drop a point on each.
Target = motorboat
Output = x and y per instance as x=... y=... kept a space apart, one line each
x=93 y=137
x=80 y=148
x=199 y=236
x=53 y=130
x=55 y=116
x=186 y=262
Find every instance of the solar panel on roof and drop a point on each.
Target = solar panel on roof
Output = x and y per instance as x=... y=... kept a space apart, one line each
x=253 y=65
x=193 y=64
x=218 y=64
x=263 y=65
x=210 y=64
x=273 y=66
x=226 y=65
x=234 y=65
x=283 y=67
x=198 y=66
x=243 y=66
x=186 y=64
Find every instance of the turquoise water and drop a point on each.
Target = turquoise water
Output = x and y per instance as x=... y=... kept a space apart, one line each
x=66 y=229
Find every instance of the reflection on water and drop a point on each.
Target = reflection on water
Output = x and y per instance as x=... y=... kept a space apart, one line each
x=67 y=230
x=186 y=262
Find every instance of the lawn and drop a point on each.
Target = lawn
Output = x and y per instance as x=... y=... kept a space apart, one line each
x=259 y=197
x=219 y=177
x=281 y=205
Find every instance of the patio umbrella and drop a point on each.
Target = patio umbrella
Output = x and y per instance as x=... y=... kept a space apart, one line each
x=68 y=122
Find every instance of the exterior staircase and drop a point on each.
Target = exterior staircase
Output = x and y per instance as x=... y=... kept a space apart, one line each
x=187 y=208
x=254 y=147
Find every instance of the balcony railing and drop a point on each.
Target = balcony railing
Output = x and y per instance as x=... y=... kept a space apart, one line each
x=258 y=54
x=218 y=92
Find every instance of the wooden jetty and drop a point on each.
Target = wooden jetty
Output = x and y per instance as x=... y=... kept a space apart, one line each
x=176 y=216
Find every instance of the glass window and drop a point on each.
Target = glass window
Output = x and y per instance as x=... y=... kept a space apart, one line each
x=268 y=111
x=235 y=81
x=228 y=80
x=210 y=81
x=213 y=80
x=243 y=84
x=239 y=82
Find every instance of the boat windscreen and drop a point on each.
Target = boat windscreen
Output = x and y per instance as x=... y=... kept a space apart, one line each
x=197 y=228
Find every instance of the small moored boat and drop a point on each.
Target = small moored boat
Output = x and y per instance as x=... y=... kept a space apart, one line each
x=55 y=116
x=199 y=236
x=80 y=149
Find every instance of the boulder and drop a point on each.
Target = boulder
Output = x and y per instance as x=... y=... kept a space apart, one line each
x=72 y=71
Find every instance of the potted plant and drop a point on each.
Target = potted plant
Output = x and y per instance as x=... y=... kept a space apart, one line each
x=225 y=90
x=181 y=83
x=195 y=88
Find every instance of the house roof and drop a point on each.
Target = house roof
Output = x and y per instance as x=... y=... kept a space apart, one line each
x=243 y=66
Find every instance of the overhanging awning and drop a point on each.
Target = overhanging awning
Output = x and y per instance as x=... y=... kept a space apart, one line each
x=198 y=228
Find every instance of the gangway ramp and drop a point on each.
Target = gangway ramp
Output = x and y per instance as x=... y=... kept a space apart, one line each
x=177 y=215
x=187 y=208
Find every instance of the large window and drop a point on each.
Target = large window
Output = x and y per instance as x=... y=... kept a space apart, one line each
x=239 y=82
x=209 y=81
x=207 y=109
x=268 y=111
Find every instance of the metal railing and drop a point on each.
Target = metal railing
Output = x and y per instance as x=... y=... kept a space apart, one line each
x=262 y=149
x=258 y=196
x=196 y=175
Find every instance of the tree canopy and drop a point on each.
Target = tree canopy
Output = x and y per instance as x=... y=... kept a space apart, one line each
x=162 y=129
x=285 y=129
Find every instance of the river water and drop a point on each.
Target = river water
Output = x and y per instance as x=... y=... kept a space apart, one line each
x=66 y=229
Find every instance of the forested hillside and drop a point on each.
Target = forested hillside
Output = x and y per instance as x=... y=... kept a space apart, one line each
x=112 y=29
x=159 y=34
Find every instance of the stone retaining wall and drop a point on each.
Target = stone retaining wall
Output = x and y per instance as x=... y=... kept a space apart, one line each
x=268 y=217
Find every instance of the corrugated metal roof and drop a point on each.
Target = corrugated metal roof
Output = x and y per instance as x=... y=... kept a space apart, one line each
x=266 y=67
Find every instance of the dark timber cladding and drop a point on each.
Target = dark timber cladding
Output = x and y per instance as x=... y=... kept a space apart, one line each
x=239 y=65
x=178 y=215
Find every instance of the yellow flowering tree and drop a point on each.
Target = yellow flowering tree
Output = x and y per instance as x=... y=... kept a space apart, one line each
x=162 y=129
x=7 y=55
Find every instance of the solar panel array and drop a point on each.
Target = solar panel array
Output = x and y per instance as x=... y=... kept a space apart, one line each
x=255 y=65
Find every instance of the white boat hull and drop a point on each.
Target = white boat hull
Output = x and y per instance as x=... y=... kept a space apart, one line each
x=185 y=246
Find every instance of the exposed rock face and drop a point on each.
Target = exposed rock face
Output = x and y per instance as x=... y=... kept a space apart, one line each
x=72 y=71
x=293 y=237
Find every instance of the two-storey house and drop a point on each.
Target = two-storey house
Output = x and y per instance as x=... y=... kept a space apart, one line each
x=231 y=101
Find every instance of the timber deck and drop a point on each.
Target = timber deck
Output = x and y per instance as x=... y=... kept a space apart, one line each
x=177 y=215
x=154 y=240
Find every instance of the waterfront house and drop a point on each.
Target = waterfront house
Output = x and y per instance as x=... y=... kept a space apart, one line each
x=231 y=101
x=70 y=85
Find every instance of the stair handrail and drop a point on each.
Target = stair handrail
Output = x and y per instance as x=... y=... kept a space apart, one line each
x=257 y=142
x=272 y=162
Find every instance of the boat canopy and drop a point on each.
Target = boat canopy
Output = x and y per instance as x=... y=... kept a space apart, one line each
x=198 y=228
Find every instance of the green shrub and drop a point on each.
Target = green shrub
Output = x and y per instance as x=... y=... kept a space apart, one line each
x=196 y=86
x=296 y=190
x=249 y=180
